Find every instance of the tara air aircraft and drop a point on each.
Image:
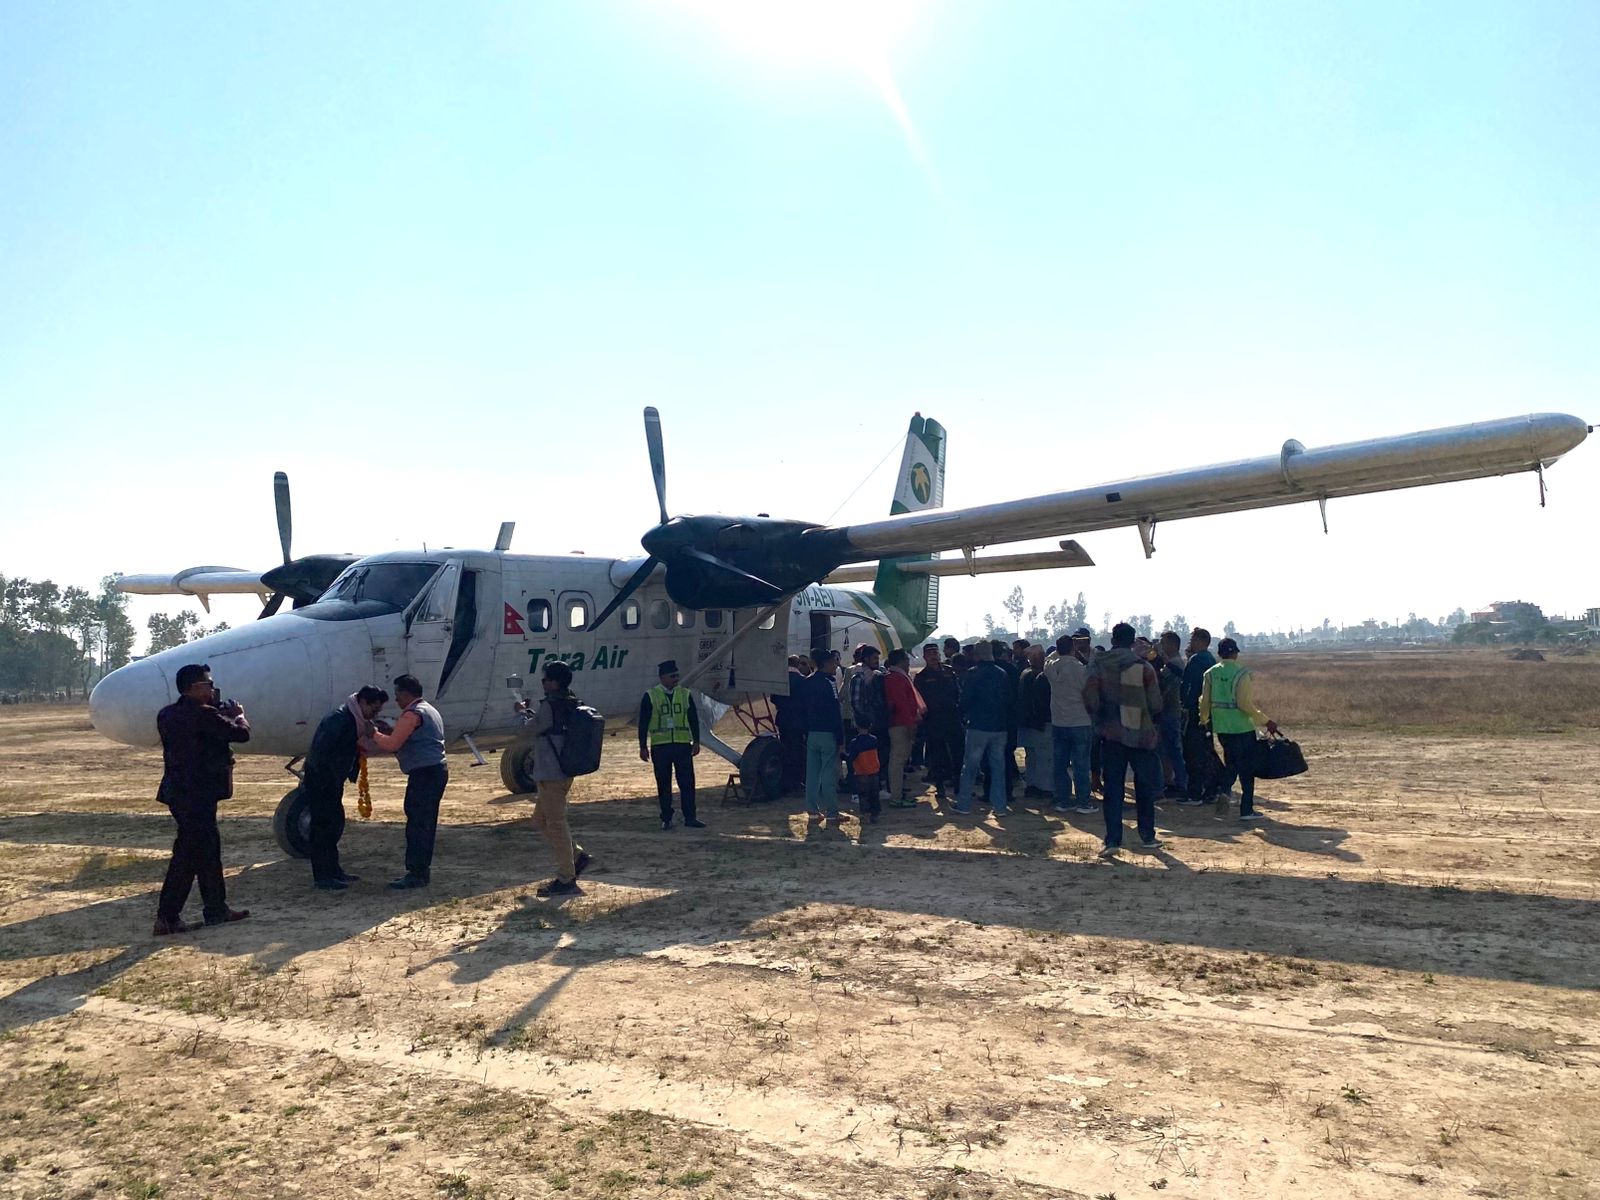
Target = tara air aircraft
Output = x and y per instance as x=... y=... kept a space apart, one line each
x=729 y=597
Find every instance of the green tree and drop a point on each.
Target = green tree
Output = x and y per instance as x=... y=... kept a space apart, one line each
x=169 y=631
x=1014 y=604
x=117 y=632
x=1180 y=626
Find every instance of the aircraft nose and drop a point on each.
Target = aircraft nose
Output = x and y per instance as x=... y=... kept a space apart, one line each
x=123 y=705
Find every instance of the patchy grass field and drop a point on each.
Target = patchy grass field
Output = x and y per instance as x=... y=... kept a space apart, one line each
x=1387 y=989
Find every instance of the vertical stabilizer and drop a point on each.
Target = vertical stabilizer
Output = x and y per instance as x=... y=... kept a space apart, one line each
x=912 y=601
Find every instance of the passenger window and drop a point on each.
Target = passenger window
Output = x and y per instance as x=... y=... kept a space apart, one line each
x=685 y=618
x=660 y=614
x=713 y=618
x=769 y=622
x=577 y=614
x=538 y=616
x=630 y=615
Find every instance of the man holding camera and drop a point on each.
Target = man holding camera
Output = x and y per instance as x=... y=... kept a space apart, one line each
x=196 y=735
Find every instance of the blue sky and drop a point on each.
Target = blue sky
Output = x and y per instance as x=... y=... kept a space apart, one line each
x=465 y=246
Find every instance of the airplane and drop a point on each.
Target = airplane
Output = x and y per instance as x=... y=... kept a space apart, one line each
x=731 y=597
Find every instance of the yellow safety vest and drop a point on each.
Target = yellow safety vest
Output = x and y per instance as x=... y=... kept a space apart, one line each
x=669 y=717
x=1226 y=716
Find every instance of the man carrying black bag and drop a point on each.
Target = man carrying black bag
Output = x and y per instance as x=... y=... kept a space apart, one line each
x=1226 y=705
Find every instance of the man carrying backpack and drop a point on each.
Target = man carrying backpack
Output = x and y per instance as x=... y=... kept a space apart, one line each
x=548 y=726
x=669 y=738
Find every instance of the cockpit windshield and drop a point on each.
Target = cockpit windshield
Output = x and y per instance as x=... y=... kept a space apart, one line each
x=370 y=589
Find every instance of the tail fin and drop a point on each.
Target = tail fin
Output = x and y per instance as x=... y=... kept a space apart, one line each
x=912 y=601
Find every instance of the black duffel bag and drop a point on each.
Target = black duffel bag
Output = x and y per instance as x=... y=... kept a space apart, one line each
x=1278 y=758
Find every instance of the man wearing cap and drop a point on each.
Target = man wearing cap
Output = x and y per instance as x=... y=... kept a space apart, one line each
x=669 y=738
x=1227 y=706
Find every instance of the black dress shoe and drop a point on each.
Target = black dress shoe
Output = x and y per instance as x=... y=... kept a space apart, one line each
x=581 y=863
x=347 y=877
x=556 y=887
x=329 y=885
x=694 y=823
x=407 y=881
x=165 y=927
x=227 y=916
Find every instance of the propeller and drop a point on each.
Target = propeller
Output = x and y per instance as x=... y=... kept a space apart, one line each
x=299 y=579
x=725 y=562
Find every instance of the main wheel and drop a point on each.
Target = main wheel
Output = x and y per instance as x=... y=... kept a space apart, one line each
x=291 y=825
x=761 y=768
x=516 y=767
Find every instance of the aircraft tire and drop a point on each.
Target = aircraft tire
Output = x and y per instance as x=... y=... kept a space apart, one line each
x=516 y=767
x=291 y=825
x=761 y=769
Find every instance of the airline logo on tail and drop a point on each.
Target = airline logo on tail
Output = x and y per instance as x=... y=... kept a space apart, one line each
x=921 y=483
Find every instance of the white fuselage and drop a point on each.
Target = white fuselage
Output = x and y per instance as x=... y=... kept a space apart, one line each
x=473 y=621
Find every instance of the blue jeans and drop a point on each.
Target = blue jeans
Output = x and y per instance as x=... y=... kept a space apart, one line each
x=1116 y=759
x=1171 y=726
x=1072 y=763
x=822 y=773
x=984 y=746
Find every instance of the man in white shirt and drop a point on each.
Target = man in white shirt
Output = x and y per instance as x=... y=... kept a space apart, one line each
x=1071 y=731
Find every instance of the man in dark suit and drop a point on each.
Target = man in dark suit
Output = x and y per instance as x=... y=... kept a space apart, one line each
x=334 y=759
x=196 y=734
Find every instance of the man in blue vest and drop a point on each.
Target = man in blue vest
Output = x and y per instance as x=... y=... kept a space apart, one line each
x=417 y=743
x=669 y=738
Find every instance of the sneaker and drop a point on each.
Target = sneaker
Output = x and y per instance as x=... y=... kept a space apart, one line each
x=694 y=823
x=347 y=877
x=228 y=916
x=903 y=802
x=666 y=824
x=581 y=863
x=1002 y=811
x=329 y=885
x=1152 y=844
x=1110 y=851
x=883 y=793
x=406 y=882
x=165 y=927
x=1252 y=816
x=963 y=807
x=557 y=887
x=1061 y=808
x=1087 y=808
x=1190 y=802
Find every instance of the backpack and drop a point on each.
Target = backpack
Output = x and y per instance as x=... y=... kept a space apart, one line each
x=582 y=729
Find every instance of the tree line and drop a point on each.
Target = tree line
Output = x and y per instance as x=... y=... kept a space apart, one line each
x=58 y=640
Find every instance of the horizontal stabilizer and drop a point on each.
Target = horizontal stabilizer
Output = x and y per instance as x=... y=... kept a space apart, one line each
x=1070 y=555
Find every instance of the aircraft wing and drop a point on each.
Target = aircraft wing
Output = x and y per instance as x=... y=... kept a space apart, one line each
x=203 y=582
x=1292 y=476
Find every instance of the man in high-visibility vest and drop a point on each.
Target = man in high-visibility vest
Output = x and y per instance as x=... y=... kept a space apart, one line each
x=1227 y=707
x=669 y=738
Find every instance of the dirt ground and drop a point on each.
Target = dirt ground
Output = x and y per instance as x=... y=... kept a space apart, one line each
x=1386 y=989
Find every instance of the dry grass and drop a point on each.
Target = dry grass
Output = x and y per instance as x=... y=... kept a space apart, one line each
x=1429 y=691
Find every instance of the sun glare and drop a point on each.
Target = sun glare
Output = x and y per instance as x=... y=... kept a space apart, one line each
x=855 y=33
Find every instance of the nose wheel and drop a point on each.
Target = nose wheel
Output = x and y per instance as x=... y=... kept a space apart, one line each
x=291 y=825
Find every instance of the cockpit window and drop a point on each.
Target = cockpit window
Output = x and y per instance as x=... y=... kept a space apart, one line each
x=371 y=589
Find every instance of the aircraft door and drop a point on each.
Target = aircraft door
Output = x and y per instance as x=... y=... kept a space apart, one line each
x=431 y=627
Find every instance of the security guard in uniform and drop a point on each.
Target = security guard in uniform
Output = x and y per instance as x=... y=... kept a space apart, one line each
x=1226 y=705
x=669 y=738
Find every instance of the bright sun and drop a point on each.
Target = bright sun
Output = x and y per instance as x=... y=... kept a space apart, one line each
x=856 y=33
x=853 y=31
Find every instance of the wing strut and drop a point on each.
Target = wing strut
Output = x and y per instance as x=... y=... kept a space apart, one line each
x=1147 y=535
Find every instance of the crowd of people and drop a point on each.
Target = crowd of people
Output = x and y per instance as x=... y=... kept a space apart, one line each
x=1084 y=717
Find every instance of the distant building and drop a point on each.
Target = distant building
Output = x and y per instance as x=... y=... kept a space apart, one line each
x=1593 y=620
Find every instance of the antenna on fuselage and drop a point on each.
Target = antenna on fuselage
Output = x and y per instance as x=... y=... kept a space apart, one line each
x=503 y=541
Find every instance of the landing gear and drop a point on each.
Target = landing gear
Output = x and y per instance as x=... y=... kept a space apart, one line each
x=761 y=768
x=291 y=825
x=516 y=767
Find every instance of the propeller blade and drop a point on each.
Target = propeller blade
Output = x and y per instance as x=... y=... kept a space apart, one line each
x=280 y=501
x=272 y=605
x=658 y=458
x=723 y=565
x=635 y=582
